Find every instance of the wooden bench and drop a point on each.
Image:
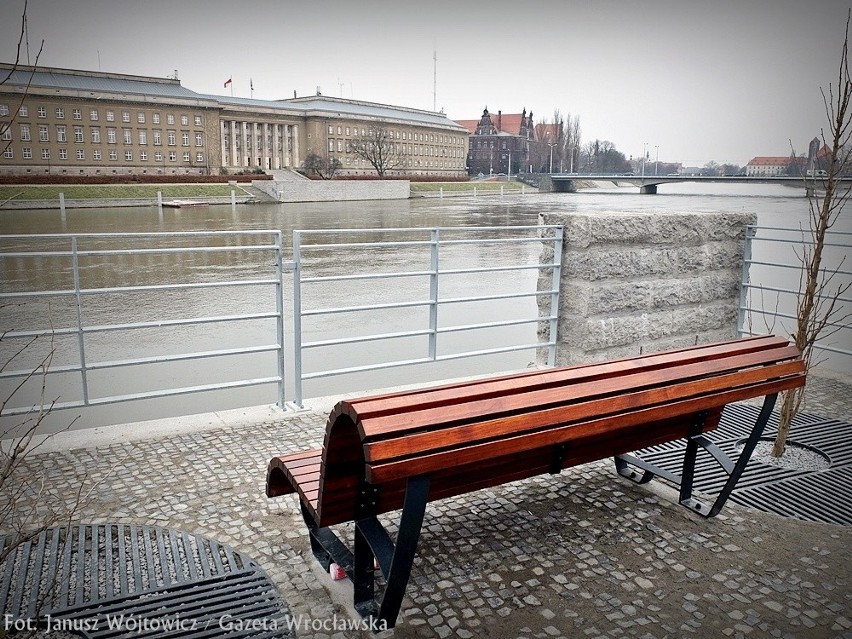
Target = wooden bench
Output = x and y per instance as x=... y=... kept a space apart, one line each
x=400 y=451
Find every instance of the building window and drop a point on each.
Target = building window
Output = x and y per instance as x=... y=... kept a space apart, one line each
x=155 y=118
x=4 y=109
x=197 y=120
x=143 y=137
x=60 y=134
x=330 y=130
x=110 y=135
x=140 y=117
x=96 y=135
x=184 y=120
x=157 y=138
x=93 y=115
x=60 y=113
x=125 y=116
x=199 y=139
x=143 y=156
x=28 y=153
x=110 y=116
x=42 y=134
x=7 y=132
x=170 y=119
x=42 y=112
x=199 y=157
x=63 y=153
x=347 y=130
x=331 y=145
x=339 y=146
x=184 y=139
x=25 y=133
x=128 y=136
x=78 y=134
x=96 y=154
x=128 y=155
x=81 y=154
x=113 y=154
x=45 y=154
x=171 y=136
x=77 y=114
x=186 y=156
x=172 y=156
x=339 y=130
x=24 y=111
x=158 y=156
x=8 y=153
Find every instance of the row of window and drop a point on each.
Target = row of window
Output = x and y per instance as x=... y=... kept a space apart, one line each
x=95 y=133
x=410 y=163
x=94 y=115
x=403 y=149
x=27 y=154
x=416 y=137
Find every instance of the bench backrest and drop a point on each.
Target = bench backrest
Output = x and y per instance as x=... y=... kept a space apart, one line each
x=482 y=433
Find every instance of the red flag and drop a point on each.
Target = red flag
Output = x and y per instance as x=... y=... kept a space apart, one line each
x=228 y=81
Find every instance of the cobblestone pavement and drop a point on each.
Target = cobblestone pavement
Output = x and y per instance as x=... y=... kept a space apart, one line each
x=581 y=554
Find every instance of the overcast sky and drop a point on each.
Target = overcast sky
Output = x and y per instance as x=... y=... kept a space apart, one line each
x=702 y=80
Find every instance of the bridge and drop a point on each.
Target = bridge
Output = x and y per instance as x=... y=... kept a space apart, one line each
x=567 y=182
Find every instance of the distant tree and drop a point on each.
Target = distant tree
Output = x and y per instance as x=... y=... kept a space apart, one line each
x=730 y=169
x=323 y=166
x=601 y=156
x=710 y=169
x=379 y=149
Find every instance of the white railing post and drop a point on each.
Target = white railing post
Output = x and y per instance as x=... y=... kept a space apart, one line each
x=556 y=282
x=297 y=318
x=745 y=281
x=81 y=341
x=433 y=294
x=279 y=320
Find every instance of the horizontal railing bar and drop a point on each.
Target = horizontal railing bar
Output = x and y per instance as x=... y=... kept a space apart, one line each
x=786 y=241
x=486 y=298
x=491 y=269
x=501 y=240
x=365 y=338
x=371 y=307
x=38 y=372
x=365 y=276
x=494 y=351
x=366 y=244
x=39 y=333
x=66 y=236
x=23 y=294
x=789 y=291
x=114 y=399
x=797 y=267
x=161 y=359
x=758 y=311
x=789 y=230
x=174 y=249
x=517 y=322
x=367 y=367
x=177 y=322
x=424 y=230
x=165 y=287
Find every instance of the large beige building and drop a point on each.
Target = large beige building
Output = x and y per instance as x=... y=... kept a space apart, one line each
x=70 y=122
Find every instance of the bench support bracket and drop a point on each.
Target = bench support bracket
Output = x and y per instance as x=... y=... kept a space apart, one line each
x=373 y=545
x=696 y=440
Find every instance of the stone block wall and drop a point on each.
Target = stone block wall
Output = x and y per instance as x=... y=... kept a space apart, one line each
x=634 y=283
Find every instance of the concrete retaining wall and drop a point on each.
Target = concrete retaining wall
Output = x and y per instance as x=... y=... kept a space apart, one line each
x=335 y=190
x=634 y=283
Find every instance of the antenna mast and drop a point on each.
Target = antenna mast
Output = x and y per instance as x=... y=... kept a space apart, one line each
x=434 y=79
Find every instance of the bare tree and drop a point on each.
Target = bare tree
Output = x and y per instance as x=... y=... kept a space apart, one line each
x=6 y=125
x=379 y=148
x=324 y=166
x=818 y=313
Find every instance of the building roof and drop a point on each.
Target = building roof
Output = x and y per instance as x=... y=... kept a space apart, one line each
x=95 y=81
x=769 y=160
x=342 y=106
x=470 y=125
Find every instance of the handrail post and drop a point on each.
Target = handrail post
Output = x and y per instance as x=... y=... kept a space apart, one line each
x=751 y=233
x=433 y=295
x=297 y=317
x=279 y=320
x=81 y=341
x=556 y=282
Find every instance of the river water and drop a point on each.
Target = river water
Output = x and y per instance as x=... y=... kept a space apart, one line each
x=775 y=206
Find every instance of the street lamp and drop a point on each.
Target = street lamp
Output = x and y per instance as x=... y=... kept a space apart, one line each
x=571 y=161
x=657 y=158
x=644 y=157
x=509 y=172
x=551 y=145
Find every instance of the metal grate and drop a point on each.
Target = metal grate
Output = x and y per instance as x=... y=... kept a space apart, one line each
x=121 y=580
x=822 y=496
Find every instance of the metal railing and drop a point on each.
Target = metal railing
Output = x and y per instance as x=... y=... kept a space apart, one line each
x=433 y=242
x=69 y=248
x=771 y=261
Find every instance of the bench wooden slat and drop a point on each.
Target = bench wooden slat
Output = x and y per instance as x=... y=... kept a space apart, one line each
x=406 y=444
x=408 y=467
x=441 y=395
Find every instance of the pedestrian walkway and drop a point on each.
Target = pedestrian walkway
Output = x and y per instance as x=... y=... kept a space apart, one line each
x=580 y=554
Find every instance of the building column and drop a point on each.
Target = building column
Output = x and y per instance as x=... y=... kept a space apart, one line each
x=254 y=146
x=243 y=147
x=276 y=156
x=288 y=133
x=223 y=126
x=266 y=154
x=234 y=143
x=296 y=161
